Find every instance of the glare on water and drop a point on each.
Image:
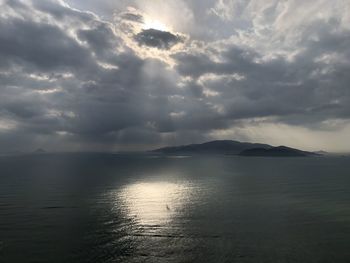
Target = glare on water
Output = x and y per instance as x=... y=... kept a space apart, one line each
x=154 y=203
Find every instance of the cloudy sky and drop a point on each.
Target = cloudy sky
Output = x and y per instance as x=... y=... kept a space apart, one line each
x=138 y=74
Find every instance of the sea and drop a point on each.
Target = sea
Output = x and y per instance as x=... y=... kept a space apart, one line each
x=103 y=207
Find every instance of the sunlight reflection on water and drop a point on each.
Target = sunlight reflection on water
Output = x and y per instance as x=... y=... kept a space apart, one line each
x=154 y=203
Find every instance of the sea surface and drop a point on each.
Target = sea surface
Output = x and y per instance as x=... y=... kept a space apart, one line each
x=148 y=208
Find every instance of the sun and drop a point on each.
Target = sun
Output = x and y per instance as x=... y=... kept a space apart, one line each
x=155 y=24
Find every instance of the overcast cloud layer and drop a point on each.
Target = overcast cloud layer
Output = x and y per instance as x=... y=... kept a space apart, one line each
x=126 y=75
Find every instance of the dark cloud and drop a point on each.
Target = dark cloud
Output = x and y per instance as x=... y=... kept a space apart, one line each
x=40 y=45
x=101 y=40
x=132 y=17
x=157 y=38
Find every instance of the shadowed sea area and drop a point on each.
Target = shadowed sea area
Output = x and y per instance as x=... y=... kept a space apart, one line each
x=149 y=208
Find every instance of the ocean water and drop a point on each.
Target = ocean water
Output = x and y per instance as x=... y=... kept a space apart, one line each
x=144 y=208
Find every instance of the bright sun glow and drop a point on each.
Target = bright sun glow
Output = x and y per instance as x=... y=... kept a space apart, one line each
x=155 y=24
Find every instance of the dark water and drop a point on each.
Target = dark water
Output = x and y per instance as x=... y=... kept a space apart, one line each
x=137 y=208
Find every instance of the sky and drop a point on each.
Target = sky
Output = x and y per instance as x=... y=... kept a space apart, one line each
x=83 y=75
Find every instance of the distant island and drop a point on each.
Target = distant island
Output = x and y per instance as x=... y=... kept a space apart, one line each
x=229 y=147
x=280 y=151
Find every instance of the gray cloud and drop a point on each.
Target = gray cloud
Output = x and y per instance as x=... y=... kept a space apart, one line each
x=72 y=80
x=132 y=17
x=157 y=38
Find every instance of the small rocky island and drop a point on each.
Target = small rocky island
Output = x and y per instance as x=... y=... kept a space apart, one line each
x=280 y=151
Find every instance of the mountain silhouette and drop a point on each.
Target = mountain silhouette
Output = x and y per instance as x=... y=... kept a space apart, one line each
x=213 y=147
x=235 y=148
x=280 y=151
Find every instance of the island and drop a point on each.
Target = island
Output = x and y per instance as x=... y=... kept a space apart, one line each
x=212 y=147
x=280 y=151
x=229 y=147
